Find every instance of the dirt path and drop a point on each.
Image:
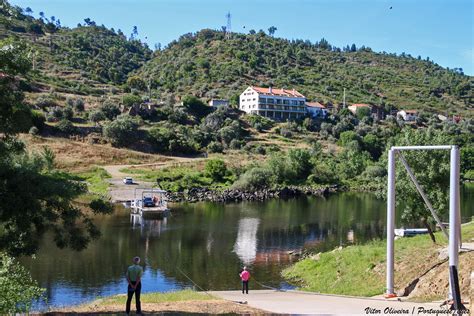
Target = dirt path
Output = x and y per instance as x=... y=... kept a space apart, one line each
x=120 y=192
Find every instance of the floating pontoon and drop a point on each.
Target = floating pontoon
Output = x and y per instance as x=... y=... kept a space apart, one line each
x=149 y=202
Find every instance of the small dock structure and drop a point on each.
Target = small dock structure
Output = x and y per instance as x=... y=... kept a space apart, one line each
x=149 y=202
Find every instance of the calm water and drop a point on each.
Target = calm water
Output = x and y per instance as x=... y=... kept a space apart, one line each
x=209 y=242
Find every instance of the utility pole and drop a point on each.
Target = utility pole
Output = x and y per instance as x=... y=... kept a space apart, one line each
x=344 y=99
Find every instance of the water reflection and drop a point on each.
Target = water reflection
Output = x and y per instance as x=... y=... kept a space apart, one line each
x=246 y=244
x=209 y=242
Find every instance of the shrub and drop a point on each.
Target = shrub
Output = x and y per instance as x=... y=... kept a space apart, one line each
x=196 y=107
x=254 y=179
x=96 y=116
x=236 y=144
x=130 y=100
x=44 y=102
x=122 y=131
x=79 y=105
x=216 y=169
x=33 y=130
x=110 y=109
x=215 y=147
x=68 y=113
x=38 y=119
x=66 y=127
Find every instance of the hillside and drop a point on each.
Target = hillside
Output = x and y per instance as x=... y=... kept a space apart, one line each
x=209 y=66
x=67 y=58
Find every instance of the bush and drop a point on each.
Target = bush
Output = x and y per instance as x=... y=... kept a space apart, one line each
x=196 y=107
x=216 y=169
x=68 y=113
x=66 y=127
x=122 y=131
x=254 y=179
x=215 y=147
x=375 y=171
x=44 y=102
x=130 y=100
x=96 y=116
x=79 y=105
x=33 y=130
x=110 y=109
x=236 y=144
x=38 y=119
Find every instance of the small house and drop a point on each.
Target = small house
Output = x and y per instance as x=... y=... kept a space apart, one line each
x=407 y=115
x=316 y=109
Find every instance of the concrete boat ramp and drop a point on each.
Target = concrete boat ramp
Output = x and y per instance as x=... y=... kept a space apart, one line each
x=297 y=302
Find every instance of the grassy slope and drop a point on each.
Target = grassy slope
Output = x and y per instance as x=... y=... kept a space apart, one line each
x=360 y=270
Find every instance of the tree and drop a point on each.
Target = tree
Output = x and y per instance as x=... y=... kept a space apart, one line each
x=216 y=169
x=362 y=112
x=134 y=32
x=110 y=109
x=272 y=30
x=196 y=107
x=34 y=199
x=122 y=131
x=431 y=168
x=353 y=48
x=28 y=11
x=17 y=289
x=136 y=82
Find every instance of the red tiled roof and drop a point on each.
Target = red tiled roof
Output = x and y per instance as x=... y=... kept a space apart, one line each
x=279 y=92
x=315 y=105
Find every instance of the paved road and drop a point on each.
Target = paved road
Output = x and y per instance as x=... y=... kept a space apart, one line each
x=296 y=302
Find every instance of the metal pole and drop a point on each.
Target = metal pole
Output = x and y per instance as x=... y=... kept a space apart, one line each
x=453 y=213
x=390 y=223
x=422 y=193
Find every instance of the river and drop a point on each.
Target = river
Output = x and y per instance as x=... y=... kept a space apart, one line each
x=209 y=242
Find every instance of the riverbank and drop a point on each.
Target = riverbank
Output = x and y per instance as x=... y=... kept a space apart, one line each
x=420 y=268
x=234 y=195
x=185 y=301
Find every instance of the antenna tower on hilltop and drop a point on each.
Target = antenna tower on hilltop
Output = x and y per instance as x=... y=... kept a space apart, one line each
x=228 y=29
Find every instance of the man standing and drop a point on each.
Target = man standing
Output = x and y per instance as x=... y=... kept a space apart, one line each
x=134 y=275
x=245 y=276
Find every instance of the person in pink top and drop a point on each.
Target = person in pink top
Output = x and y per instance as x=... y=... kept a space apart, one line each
x=245 y=276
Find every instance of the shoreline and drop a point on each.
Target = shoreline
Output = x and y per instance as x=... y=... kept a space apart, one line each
x=204 y=194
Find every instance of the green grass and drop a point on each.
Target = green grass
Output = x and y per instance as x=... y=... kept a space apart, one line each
x=178 y=296
x=96 y=179
x=359 y=269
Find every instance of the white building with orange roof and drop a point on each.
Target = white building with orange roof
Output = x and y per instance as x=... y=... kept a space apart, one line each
x=277 y=104
x=316 y=109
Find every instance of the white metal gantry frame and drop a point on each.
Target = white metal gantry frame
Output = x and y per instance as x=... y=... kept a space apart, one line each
x=454 y=207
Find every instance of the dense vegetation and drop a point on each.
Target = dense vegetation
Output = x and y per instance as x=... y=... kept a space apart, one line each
x=99 y=53
x=210 y=66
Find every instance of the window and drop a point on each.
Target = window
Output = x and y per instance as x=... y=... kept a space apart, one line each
x=294 y=102
x=270 y=101
x=262 y=100
x=278 y=101
x=301 y=102
x=286 y=101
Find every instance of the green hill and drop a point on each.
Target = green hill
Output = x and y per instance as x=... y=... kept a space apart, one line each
x=208 y=65
x=87 y=51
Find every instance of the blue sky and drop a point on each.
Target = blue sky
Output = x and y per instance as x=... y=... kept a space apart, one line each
x=440 y=29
